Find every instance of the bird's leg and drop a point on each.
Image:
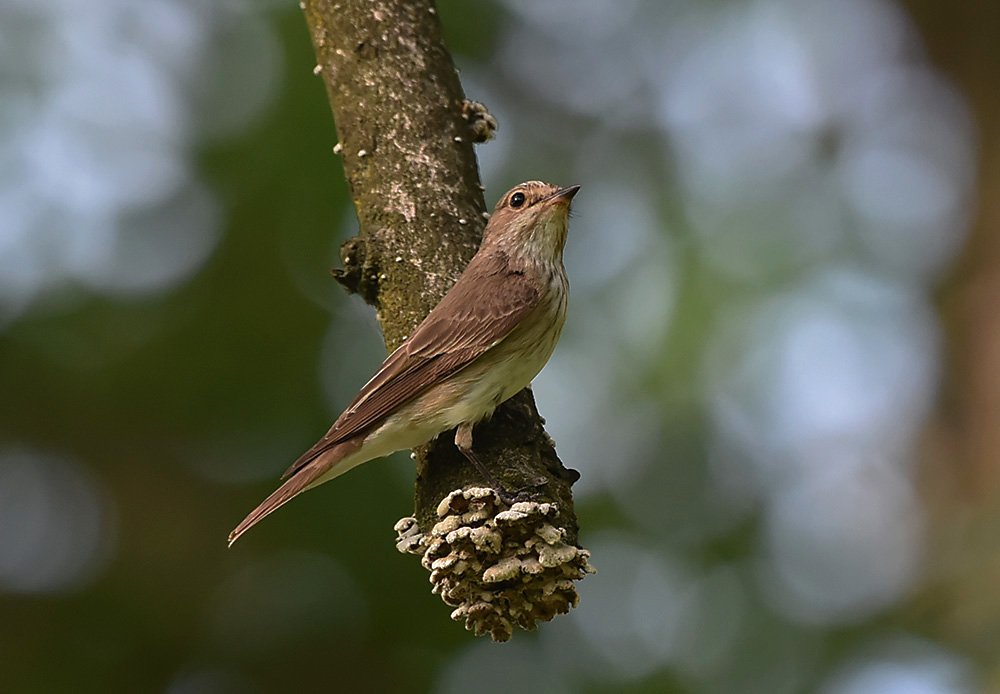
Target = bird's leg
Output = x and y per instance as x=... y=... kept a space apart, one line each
x=463 y=440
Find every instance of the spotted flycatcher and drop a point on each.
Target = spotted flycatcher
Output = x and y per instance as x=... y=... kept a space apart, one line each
x=490 y=335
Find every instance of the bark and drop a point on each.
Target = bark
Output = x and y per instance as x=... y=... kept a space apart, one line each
x=397 y=104
x=408 y=157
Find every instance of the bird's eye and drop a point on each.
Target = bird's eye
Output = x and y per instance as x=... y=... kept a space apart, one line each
x=517 y=199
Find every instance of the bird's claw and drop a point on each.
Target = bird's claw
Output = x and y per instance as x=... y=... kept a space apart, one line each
x=528 y=493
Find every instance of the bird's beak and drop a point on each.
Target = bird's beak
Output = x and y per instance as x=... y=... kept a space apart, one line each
x=563 y=194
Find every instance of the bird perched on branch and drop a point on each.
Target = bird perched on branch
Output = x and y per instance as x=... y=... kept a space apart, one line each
x=486 y=340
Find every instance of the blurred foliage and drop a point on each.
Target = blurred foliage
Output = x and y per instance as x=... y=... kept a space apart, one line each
x=138 y=426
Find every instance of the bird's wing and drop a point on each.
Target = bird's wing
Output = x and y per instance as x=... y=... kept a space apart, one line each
x=477 y=313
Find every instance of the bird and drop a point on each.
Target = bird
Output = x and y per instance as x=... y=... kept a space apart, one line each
x=485 y=341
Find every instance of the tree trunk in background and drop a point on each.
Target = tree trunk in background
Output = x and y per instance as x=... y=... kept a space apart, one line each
x=962 y=481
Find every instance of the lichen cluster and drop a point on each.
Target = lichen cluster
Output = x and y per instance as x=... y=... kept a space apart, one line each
x=482 y=124
x=497 y=565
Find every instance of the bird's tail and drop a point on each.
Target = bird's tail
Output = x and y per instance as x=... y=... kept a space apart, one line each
x=325 y=465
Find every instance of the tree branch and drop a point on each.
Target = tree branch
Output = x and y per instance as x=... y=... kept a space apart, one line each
x=407 y=143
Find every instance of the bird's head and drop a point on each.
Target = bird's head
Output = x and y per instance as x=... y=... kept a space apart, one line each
x=531 y=218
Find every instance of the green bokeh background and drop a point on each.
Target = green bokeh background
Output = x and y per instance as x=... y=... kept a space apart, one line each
x=187 y=404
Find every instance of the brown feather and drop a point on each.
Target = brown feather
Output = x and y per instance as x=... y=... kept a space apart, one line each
x=298 y=483
x=459 y=329
x=513 y=292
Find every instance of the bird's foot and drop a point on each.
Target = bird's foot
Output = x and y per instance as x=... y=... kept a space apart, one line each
x=528 y=493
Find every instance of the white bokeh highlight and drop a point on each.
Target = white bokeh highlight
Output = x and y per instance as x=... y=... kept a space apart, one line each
x=102 y=110
x=58 y=524
x=819 y=181
x=903 y=665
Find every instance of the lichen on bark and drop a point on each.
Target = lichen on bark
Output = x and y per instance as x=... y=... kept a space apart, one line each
x=406 y=139
x=397 y=104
